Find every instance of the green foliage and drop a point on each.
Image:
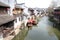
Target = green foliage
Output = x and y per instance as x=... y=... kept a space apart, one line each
x=57 y=32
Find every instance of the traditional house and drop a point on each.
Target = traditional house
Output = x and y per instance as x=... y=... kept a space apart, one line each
x=56 y=15
x=18 y=13
x=6 y=18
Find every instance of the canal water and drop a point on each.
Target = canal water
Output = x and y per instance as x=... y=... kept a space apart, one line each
x=42 y=31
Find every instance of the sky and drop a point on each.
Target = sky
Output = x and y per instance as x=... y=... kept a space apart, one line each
x=36 y=3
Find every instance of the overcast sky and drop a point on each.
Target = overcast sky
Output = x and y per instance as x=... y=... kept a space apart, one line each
x=36 y=3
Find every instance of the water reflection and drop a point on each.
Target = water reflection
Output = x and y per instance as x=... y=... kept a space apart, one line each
x=30 y=28
x=56 y=26
x=40 y=32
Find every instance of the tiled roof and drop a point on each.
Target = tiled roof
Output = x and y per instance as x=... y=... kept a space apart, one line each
x=5 y=19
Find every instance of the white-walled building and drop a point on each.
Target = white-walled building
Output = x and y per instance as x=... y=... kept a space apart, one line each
x=17 y=11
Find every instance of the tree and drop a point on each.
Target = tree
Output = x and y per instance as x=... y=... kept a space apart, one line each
x=52 y=6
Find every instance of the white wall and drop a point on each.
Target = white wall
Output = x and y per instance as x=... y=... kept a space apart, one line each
x=17 y=23
x=26 y=11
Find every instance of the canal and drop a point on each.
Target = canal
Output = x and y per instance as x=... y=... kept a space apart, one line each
x=42 y=31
